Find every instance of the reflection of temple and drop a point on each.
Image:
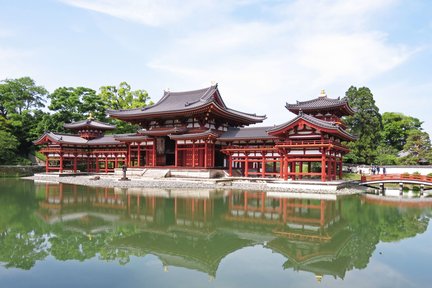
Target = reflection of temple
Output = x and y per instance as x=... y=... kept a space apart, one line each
x=197 y=229
x=310 y=233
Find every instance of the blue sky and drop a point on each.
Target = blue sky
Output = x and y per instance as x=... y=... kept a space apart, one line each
x=262 y=53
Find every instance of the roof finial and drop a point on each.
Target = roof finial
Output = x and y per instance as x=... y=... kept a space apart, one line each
x=90 y=117
x=323 y=93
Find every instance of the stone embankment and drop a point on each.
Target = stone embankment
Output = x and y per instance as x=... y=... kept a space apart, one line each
x=337 y=187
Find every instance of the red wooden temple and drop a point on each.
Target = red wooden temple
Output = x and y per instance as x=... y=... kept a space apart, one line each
x=195 y=129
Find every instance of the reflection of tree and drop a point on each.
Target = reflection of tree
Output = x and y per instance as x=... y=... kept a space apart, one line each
x=22 y=240
x=328 y=238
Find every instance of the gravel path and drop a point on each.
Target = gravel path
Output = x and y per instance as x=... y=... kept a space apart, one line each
x=167 y=183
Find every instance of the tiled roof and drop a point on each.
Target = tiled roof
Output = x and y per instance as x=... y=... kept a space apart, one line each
x=200 y=135
x=321 y=103
x=250 y=133
x=163 y=131
x=318 y=122
x=89 y=124
x=131 y=137
x=77 y=140
x=182 y=102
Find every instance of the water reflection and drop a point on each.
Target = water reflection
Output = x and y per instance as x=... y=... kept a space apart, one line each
x=197 y=229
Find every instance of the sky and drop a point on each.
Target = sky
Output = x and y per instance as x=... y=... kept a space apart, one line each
x=262 y=54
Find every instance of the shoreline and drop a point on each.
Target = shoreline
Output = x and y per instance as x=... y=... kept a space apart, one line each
x=110 y=181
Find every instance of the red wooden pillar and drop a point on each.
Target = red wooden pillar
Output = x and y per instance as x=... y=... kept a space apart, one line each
x=176 y=154
x=193 y=153
x=154 y=152
x=106 y=163
x=300 y=170
x=75 y=162
x=61 y=163
x=213 y=161
x=293 y=170
x=246 y=171
x=285 y=168
x=263 y=164
x=128 y=152
x=230 y=164
x=323 y=165
x=97 y=163
x=282 y=166
x=139 y=154
x=335 y=164
x=329 y=166
x=205 y=153
x=47 y=163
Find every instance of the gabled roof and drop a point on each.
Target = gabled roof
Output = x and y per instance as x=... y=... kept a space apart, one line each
x=132 y=137
x=75 y=139
x=327 y=126
x=89 y=124
x=163 y=131
x=208 y=134
x=322 y=103
x=187 y=103
x=250 y=133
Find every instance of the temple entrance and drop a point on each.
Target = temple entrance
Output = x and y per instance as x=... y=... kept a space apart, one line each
x=165 y=151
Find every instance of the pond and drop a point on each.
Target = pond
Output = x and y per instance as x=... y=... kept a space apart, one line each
x=56 y=235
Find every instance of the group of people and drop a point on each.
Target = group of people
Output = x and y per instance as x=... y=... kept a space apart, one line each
x=375 y=169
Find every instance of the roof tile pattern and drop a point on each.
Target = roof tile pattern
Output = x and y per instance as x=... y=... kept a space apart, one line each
x=89 y=124
x=186 y=102
x=250 y=133
x=332 y=126
x=321 y=103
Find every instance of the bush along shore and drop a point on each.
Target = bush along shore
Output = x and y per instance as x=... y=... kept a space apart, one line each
x=19 y=171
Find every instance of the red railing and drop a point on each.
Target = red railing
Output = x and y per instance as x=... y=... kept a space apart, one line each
x=396 y=177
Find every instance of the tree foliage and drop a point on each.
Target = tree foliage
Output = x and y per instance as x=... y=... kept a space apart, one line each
x=20 y=102
x=417 y=148
x=8 y=147
x=365 y=124
x=397 y=127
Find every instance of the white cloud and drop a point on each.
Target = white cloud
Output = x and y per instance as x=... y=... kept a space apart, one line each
x=289 y=53
x=153 y=13
x=268 y=63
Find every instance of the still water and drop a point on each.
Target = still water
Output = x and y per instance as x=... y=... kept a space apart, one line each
x=54 y=235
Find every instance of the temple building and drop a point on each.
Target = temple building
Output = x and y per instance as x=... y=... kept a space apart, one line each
x=196 y=130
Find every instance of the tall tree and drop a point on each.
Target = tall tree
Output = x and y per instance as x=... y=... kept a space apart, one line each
x=365 y=124
x=123 y=97
x=72 y=104
x=20 y=95
x=417 y=148
x=20 y=102
x=397 y=127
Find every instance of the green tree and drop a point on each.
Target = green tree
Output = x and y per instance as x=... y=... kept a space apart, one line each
x=417 y=148
x=365 y=124
x=387 y=155
x=8 y=147
x=397 y=127
x=20 y=95
x=20 y=102
x=122 y=97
